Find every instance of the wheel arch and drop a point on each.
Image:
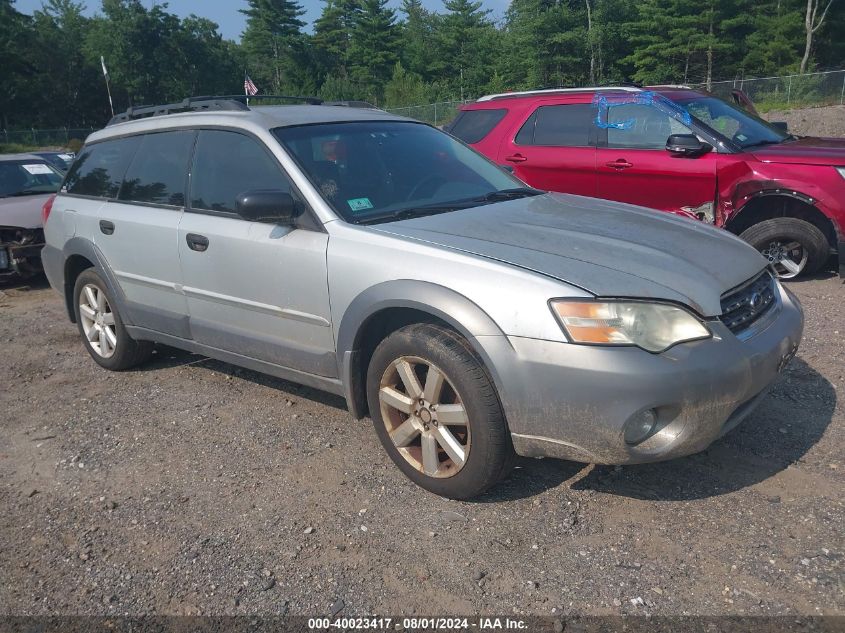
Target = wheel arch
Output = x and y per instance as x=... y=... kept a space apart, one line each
x=386 y=307
x=80 y=255
x=780 y=203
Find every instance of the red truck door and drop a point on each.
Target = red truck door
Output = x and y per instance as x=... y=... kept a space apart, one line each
x=553 y=148
x=633 y=165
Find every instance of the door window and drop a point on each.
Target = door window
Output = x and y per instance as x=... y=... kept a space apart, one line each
x=473 y=125
x=228 y=164
x=99 y=169
x=566 y=125
x=638 y=126
x=158 y=172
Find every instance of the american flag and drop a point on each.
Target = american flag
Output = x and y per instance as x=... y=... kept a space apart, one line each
x=250 y=89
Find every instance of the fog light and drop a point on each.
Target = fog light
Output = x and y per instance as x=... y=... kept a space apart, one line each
x=640 y=426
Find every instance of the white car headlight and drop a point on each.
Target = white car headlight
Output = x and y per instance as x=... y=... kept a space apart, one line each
x=841 y=171
x=655 y=327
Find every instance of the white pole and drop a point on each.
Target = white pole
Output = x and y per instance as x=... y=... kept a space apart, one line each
x=108 y=87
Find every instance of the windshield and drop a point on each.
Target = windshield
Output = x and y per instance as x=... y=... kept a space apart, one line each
x=27 y=178
x=384 y=170
x=733 y=123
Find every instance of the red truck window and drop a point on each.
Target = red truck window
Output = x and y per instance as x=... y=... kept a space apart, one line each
x=473 y=125
x=558 y=125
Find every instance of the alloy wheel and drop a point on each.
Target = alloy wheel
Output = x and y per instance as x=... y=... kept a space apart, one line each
x=787 y=258
x=97 y=320
x=425 y=417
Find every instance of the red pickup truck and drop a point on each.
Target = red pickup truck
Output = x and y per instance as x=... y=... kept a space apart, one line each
x=674 y=149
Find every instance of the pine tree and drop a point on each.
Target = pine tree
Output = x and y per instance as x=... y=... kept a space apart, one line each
x=416 y=33
x=372 y=52
x=273 y=43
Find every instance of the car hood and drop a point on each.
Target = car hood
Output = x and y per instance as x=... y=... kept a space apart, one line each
x=607 y=248
x=23 y=212
x=804 y=151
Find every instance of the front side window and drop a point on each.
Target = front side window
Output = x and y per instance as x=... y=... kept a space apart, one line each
x=19 y=178
x=567 y=125
x=228 y=164
x=158 y=172
x=641 y=126
x=99 y=169
x=382 y=170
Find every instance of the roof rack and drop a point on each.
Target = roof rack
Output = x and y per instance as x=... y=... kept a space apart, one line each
x=366 y=105
x=553 y=91
x=202 y=104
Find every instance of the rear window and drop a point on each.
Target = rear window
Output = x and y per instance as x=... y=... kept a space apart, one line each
x=473 y=125
x=567 y=125
x=158 y=171
x=99 y=169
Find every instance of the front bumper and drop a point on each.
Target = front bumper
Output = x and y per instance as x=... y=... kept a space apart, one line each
x=572 y=401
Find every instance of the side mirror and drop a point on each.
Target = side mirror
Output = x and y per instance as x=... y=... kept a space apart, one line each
x=266 y=205
x=686 y=145
x=780 y=125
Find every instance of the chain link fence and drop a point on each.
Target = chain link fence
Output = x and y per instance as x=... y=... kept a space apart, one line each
x=788 y=91
x=59 y=137
x=435 y=113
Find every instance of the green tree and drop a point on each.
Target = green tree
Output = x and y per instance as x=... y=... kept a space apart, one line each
x=466 y=46
x=274 y=44
x=372 y=52
x=416 y=35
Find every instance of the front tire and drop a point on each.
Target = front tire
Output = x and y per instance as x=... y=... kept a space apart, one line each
x=794 y=247
x=436 y=412
x=101 y=327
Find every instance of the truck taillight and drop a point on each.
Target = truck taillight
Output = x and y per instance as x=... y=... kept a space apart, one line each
x=45 y=210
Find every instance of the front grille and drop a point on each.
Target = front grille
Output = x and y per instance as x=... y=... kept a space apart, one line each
x=745 y=305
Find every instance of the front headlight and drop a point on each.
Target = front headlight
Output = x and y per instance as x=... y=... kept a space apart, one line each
x=841 y=171
x=655 y=327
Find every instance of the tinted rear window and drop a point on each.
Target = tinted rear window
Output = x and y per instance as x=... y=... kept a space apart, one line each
x=99 y=169
x=158 y=171
x=558 y=125
x=473 y=125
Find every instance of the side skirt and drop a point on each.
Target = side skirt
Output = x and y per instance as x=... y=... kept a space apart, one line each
x=332 y=385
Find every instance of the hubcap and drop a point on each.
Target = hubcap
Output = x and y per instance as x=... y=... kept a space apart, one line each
x=787 y=257
x=97 y=321
x=425 y=417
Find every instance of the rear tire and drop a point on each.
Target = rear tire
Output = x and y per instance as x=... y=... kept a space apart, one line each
x=794 y=247
x=436 y=412
x=103 y=333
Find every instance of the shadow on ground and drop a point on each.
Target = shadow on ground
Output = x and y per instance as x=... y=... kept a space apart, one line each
x=167 y=357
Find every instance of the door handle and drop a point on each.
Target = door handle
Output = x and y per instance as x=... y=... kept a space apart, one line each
x=516 y=158
x=198 y=243
x=620 y=163
x=106 y=227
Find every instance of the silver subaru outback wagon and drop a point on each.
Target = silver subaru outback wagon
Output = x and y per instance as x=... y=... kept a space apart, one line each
x=471 y=317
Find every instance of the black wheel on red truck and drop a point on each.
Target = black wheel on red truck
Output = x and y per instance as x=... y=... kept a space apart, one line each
x=794 y=247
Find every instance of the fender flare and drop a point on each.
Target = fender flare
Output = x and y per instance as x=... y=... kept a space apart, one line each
x=453 y=308
x=87 y=249
x=779 y=192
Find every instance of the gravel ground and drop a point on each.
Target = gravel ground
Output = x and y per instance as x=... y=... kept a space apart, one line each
x=189 y=486
x=824 y=121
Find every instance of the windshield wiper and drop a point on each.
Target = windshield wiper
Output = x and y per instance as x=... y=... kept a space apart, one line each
x=416 y=212
x=509 y=194
x=27 y=192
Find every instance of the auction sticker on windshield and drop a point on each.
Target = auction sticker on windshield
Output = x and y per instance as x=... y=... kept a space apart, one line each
x=360 y=204
x=37 y=168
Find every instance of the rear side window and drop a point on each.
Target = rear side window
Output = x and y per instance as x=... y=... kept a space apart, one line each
x=98 y=170
x=227 y=164
x=158 y=172
x=473 y=125
x=558 y=125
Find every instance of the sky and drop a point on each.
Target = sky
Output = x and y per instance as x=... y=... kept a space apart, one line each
x=225 y=12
